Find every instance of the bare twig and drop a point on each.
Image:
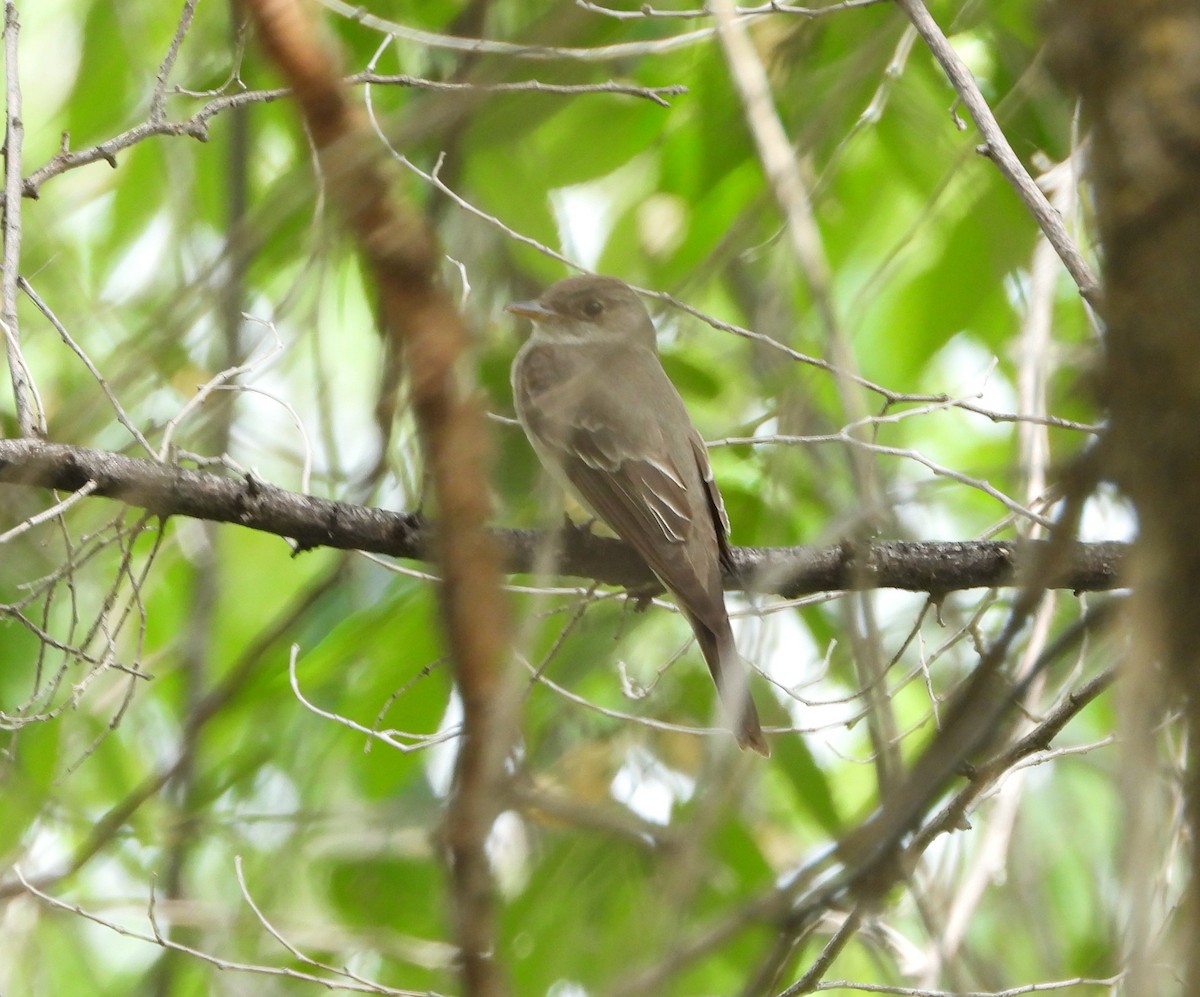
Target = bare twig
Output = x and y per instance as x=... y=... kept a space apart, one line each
x=214 y=701
x=939 y=470
x=657 y=95
x=454 y=43
x=811 y=889
x=402 y=741
x=118 y=409
x=217 y=382
x=47 y=514
x=646 y=11
x=30 y=417
x=833 y=948
x=196 y=125
x=889 y=396
x=997 y=149
x=1046 y=986
x=1037 y=739
x=294 y=951
x=158 y=102
x=156 y=937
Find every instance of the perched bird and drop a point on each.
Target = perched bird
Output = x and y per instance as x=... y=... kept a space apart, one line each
x=604 y=418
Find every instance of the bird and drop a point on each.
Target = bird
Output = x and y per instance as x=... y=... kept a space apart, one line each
x=605 y=420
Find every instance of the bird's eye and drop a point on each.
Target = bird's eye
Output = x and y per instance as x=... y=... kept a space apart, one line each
x=592 y=308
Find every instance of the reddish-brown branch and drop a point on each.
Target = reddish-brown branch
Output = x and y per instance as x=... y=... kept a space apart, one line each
x=419 y=320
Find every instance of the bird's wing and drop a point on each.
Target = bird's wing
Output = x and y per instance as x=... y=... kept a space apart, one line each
x=716 y=507
x=644 y=493
x=644 y=500
x=654 y=492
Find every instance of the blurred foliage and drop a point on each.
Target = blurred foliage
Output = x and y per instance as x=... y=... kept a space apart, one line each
x=163 y=694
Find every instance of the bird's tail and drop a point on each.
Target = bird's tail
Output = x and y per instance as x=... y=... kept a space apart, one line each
x=730 y=675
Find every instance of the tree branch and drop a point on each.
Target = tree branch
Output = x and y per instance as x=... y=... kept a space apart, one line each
x=168 y=490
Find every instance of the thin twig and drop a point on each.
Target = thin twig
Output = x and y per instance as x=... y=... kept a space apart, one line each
x=118 y=409
x=997 y=149
x=657 y=95
x=217 y=382
x=454 y=43
x=196 y=125
x=1049 y=986
x=833 y=948
x=214 y=702
x=402 y=741
x=30 y=417
x=47 y=514
x=291 y=948
x=157 y=938
x=158 y=100
x=1035 y=740
x=908 y=453
x=645 y=11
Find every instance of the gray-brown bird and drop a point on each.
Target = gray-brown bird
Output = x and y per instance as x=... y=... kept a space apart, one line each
x=604 y=418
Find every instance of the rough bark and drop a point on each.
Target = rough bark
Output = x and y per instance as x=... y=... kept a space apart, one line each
x=1136 y=65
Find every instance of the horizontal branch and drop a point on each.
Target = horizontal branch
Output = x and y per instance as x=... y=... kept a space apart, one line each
x=169 y=490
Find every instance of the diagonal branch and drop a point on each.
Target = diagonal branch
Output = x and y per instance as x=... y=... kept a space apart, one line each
x=997 y=149
x=420 y=323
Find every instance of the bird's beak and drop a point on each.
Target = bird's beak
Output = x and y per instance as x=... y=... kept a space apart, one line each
x=532 y=310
